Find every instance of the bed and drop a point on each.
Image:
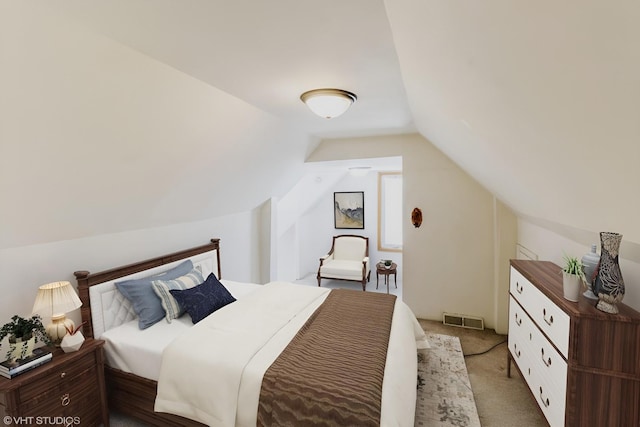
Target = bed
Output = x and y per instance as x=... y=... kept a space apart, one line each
x=141 y=365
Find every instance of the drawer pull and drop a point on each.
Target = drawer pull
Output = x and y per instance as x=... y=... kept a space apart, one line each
x=63 y=374
x=548 y=364
x=545 y=402
x=548 y=321
x=518 y=320
x=65 y=400
x=516 y=351
x=519 y=288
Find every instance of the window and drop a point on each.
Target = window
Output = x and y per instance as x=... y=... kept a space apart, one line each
x=390 y=211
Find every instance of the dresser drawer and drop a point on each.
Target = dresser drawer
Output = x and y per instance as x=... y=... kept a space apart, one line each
x=550 y=396
x=550 y=318
x=520 y=334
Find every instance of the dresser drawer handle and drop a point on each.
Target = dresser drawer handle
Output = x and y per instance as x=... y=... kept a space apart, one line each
x=516 y=351
x=548 y=364
x=519 y=288
x=548 y=321
x=518 y=320
x=545 y=402
x=63 y=374
x=65 y=399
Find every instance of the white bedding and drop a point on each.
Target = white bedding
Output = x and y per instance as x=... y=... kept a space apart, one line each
x=140 y=351
x=258 y=327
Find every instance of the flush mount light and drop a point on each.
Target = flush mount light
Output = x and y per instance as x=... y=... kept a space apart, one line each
x=328 y=103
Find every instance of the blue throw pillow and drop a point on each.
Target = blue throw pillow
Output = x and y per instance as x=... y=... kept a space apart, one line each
x=203 y=299
x=144 y=300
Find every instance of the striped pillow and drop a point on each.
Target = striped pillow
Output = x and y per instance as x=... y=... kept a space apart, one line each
x=162 y=287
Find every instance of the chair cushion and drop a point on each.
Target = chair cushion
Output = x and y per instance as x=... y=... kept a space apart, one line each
x=349 y=248
x=342 y=269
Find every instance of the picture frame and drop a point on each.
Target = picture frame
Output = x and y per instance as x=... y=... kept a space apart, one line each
x=348 y=210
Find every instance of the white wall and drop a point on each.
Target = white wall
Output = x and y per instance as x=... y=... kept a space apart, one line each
x=449 y=263
x=551 y=242
x=316 y=227
x=23 y=269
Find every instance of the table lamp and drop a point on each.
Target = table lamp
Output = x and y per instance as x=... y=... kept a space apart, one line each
x=55 y=300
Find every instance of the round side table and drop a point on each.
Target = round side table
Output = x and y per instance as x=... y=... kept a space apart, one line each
x=386 y=272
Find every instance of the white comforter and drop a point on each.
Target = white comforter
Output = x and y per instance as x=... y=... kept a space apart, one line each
x=213 y=372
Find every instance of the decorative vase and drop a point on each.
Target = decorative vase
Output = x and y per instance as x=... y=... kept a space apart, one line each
x=71 y=343
x=609 y=285
x=571 y=284
x=20 y=349
x=590 y=262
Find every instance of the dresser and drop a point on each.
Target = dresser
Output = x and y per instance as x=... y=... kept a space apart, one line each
x=67 y=391
x=582 y=366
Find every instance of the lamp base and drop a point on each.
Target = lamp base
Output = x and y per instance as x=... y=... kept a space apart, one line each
x=57 y=329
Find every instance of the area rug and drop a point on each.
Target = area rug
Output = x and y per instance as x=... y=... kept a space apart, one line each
x=445 y=398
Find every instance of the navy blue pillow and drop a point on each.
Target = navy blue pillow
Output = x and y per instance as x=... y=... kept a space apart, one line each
x=204 y=299
x=144 y=300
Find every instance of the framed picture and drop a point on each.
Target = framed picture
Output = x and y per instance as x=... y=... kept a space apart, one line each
x=348 y=209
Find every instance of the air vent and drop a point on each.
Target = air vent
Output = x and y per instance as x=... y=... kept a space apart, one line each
x=463 y=321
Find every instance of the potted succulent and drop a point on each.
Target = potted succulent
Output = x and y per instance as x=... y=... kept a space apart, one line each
x=387 y=263
x=23 y=334
x=573 y=278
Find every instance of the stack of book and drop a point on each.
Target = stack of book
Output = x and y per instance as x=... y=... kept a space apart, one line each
x=10 y=369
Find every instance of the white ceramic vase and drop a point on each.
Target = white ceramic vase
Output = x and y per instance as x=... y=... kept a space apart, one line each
x=571 y=286
x=71 y=343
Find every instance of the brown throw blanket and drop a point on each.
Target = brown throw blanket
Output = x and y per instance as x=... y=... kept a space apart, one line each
x=331 y=373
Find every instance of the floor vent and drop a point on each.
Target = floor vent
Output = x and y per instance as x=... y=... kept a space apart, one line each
x=463 y=321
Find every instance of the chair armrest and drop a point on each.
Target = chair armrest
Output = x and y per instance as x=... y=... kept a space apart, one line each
x=325 y=258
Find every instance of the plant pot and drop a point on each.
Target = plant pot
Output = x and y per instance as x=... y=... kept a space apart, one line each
x=71 y=343
x=21 y=349
x=571 y=286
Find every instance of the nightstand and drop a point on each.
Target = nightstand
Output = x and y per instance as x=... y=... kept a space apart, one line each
x=68 y=391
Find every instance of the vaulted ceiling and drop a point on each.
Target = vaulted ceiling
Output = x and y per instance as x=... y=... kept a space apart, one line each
x=537 y=100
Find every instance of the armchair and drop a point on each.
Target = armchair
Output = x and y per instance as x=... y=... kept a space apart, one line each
x=348 y=259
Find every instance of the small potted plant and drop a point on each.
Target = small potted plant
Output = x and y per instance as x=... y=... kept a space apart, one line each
x=573 y=278
x=387 y=263
x=23 y=334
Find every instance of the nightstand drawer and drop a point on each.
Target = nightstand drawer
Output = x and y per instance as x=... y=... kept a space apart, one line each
x=57 y=399
x=58 y=378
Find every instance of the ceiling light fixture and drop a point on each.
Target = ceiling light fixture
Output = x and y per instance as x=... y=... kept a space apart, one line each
x=328 y=103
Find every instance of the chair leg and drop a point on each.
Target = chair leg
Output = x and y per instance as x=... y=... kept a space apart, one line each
x=319 y=280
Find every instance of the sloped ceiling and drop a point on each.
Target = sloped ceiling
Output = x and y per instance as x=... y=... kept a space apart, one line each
x=538 y=100
x=120 y=114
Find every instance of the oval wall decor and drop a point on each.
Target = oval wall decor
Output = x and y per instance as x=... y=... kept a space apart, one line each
x=416 y=217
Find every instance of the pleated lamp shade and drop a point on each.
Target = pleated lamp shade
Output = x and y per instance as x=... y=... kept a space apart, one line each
x=55 y=300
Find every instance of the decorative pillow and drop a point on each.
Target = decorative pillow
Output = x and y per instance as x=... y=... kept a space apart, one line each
x=204 y=299
x=162 y=287
x=145 y=302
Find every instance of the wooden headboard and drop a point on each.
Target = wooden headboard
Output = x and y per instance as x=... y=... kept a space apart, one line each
x=86 y=279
